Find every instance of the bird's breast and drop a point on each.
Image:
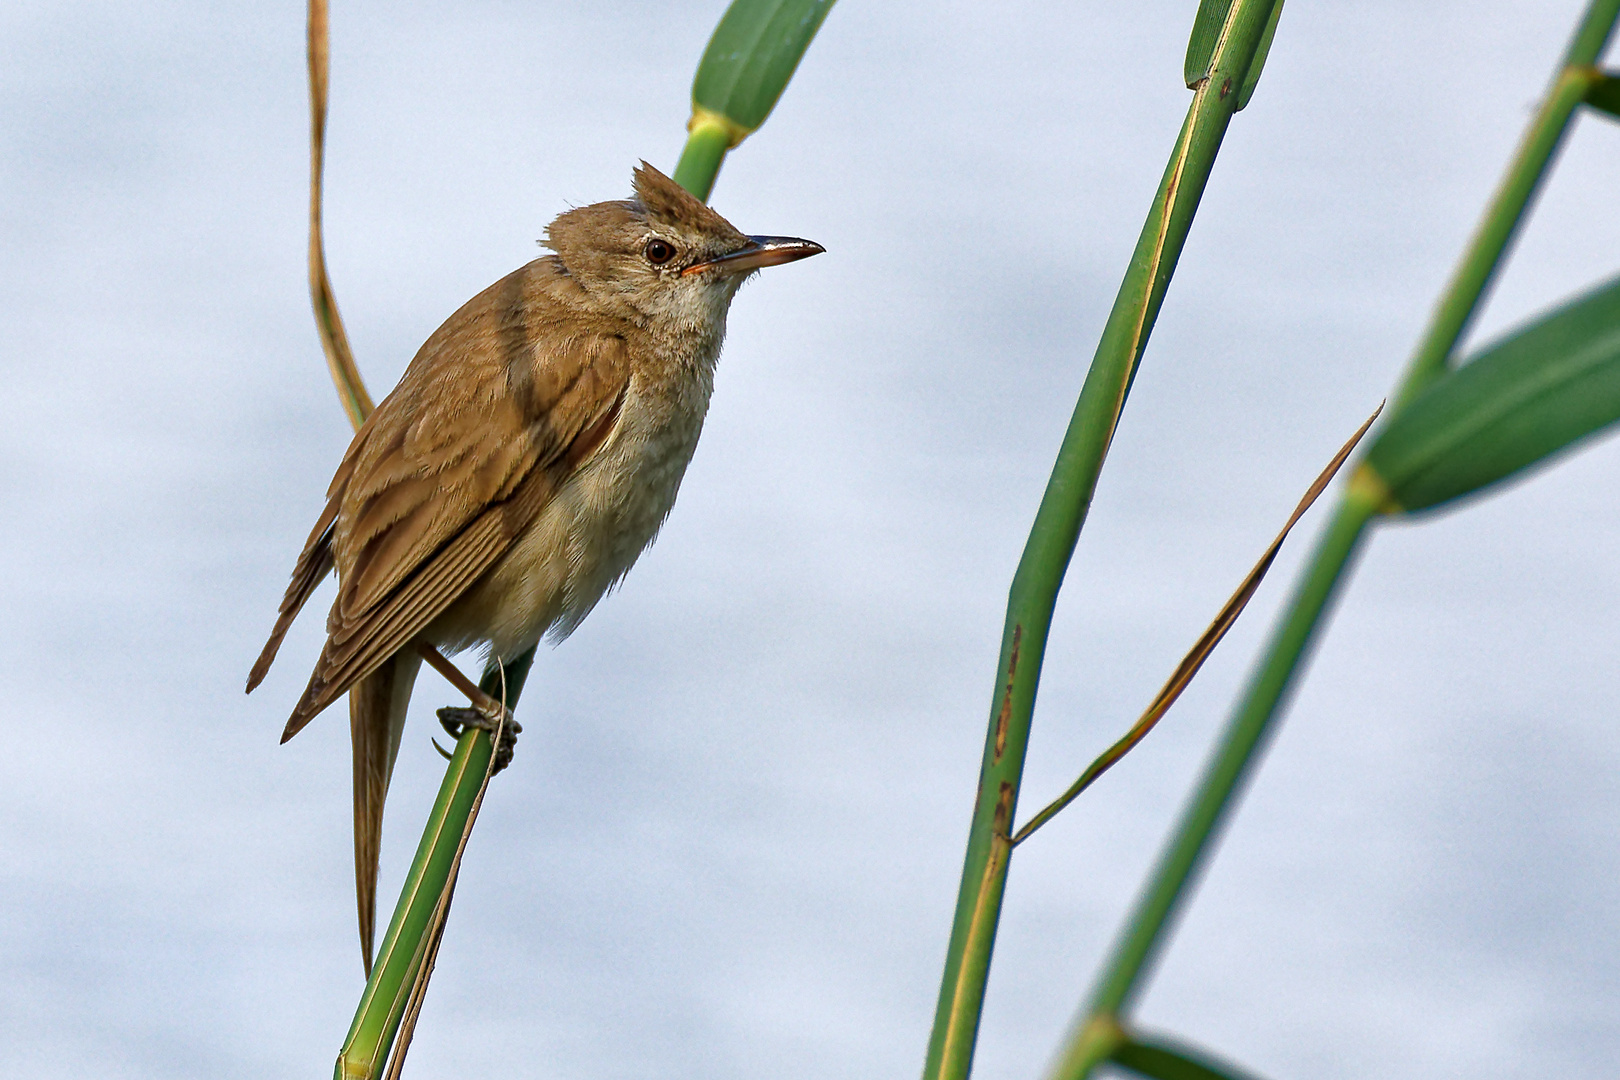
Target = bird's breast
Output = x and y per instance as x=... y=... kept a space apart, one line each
x=592 y=530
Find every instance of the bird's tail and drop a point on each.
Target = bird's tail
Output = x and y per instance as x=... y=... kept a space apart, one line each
x=377 y=706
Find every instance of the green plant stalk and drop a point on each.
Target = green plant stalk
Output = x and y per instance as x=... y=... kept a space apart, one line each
x=1575 y=79
x=382 y=1005
x=409 y=940
x=1053 y=536
x=705 y=150
x=1254 y=716
x=507 y=686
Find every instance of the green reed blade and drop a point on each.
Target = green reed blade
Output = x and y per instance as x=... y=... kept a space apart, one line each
x=752 y=55
x=1251 y=78
x=1535 y=393
x=1206 y=31
x=1208 y=25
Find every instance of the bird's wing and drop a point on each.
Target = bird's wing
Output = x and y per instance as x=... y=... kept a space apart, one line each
x=475 y=440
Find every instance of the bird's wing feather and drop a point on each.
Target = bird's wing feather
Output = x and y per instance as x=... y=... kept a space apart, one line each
x=477 y=437
x=313 y=564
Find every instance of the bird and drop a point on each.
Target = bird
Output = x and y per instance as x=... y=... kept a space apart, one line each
x=527 y=457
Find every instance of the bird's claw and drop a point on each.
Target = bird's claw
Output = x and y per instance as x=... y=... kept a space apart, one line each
x=456 y=720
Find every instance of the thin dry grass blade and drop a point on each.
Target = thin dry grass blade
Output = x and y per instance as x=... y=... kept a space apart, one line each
x=413 y=1005
x=351 y=388
x=1183 y=675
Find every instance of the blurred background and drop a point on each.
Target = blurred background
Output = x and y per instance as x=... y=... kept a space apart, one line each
x=730 y=843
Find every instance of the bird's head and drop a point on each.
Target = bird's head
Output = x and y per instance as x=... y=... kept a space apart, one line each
x=663 y=255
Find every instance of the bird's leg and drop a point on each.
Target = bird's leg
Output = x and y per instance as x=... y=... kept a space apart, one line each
x=485 y=714
x=486 y=706
x=456 y=720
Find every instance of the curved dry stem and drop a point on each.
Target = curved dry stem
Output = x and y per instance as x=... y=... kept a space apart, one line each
x=351 y=388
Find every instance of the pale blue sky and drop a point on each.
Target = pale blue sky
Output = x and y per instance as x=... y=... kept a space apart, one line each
x=730 y=843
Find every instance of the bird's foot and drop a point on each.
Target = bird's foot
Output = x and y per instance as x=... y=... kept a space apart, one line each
x=456 y=720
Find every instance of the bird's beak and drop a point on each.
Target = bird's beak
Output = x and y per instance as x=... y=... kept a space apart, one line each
x=761 y=251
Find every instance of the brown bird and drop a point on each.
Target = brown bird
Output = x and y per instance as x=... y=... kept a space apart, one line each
x=527 y=457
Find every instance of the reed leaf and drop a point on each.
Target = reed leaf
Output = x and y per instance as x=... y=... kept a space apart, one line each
x=1206 y=31
x=1533 y=394
x=1604 y=94
x=752 y=55
x=1163 y=1059
x=1251 y=78
x=1209 y=24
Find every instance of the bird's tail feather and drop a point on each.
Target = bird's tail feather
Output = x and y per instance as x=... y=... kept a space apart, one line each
x=377 y=706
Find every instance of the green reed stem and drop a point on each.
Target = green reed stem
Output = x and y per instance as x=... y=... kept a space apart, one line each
x=1254 y=718
x=1576 y=77
x=411 y=937
x=408 y=941
x=1056 y=529
x=700 y=162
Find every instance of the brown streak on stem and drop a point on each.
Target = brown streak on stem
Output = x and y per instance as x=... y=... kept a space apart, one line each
x=982 y=922
x=1003 y=810
x=1171 y=190
x=1004 y=717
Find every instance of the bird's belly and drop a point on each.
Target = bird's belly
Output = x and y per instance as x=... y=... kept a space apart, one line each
x=580 y=544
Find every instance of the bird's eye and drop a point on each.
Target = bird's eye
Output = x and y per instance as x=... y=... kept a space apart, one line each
x=659 y=252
